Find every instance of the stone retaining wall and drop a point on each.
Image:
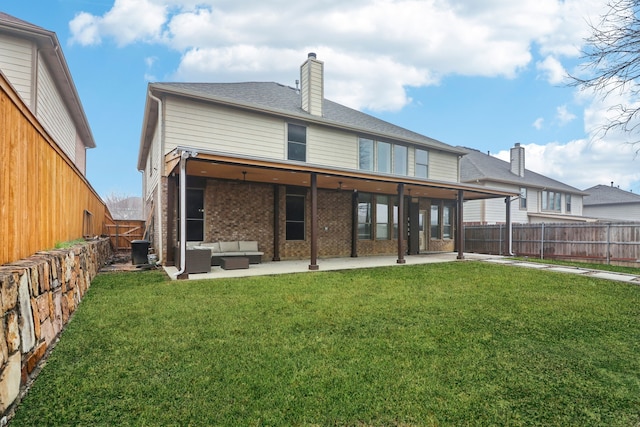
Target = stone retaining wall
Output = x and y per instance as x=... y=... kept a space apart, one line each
x=37 y=296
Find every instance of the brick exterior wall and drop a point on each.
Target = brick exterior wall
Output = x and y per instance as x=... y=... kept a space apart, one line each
x=239 y=211
x=236 y=210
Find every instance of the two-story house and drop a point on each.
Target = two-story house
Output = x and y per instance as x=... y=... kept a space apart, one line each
x=610 y=203
x=540 y=198
x=31 y=59
x=302 y=175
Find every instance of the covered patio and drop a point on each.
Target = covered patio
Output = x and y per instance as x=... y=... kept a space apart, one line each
x=186 y=162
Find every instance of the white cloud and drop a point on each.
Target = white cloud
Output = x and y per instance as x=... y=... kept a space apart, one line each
x=381 y=46
x=597 y=159
x=538 y=123
x=84 y=29
x=552 y=70
x=127 y=22
x=583 y=163
x=564 y=116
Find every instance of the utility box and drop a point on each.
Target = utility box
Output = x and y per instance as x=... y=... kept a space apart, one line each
x=139 y=252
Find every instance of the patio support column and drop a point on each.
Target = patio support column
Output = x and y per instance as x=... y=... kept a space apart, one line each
x=184 y=155
x=314 y=222
x=401 y=219
x=354 y=224
x=276 y=223
x=507 y=228
x=460 y=225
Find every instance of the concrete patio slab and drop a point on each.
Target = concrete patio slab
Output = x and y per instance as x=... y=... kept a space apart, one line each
x=328 y=264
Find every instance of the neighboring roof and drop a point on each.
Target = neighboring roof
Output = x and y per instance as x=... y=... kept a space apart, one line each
x=608 y=195
x=48 y=44
x=275 y=98
x=476 y=166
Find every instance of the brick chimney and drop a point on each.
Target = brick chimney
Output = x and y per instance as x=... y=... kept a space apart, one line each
x=517 y=160
x=312 y=85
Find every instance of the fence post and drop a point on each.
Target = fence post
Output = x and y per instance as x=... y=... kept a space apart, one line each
x=500 y=243
x=608 y=243
x=542 y=242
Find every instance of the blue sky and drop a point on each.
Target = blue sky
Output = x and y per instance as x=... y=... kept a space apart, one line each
x=483 y=74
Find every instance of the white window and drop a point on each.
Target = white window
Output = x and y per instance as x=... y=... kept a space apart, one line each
x=296 y=142
x=422 y=163
x=400 y=159
x=385 y=157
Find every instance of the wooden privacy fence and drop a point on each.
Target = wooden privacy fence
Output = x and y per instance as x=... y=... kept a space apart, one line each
x=123 y=231
x=610 y=243
x=44 y=198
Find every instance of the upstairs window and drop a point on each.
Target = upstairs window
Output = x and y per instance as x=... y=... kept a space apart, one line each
x=366 y=154
x=400 y=159
x=551 y=201
x=523 y=198
x=567 y=198
x=383 y=157
x=422 y=163
x=296 y=142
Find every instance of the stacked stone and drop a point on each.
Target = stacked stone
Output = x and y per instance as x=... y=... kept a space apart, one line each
x=38 y=295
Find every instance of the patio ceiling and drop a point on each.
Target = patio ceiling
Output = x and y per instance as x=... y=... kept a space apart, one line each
x=221 y=166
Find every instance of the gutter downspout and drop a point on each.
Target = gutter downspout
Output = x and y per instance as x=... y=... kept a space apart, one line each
x=510 y=225
x=184 y=155
x=158 y=187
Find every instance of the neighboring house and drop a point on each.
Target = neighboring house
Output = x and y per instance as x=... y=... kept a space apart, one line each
x=32 y=61
x=541 y=199
x=302 y=175
x=611 y=203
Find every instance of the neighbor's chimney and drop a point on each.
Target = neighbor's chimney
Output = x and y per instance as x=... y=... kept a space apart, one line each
x=517 y=160
x=312 y=85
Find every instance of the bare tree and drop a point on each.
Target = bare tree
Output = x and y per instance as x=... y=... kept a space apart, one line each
x=124 y=206
x=612 y=54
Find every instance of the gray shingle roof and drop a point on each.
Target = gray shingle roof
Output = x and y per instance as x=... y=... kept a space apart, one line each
x=285 y=100
x=13 y=20
x=608 y=195
x=476 y=166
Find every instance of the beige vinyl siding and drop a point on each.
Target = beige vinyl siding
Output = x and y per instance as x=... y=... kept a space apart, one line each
x=332 y=148
x=473 y=211
x=443 y=166
x=52 y=112
x=533 y=200
x=16 y=59
x=577 y=207
x=493 y=211
x=625 y=212
x=153 y=167
x=81 y=155
x=226 y=130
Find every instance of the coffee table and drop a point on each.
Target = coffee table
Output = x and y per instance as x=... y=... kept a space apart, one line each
x=234 y=263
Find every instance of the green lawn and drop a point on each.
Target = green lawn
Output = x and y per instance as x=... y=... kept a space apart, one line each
x=452 y=344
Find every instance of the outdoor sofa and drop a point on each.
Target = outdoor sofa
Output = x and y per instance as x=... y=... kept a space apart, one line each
x=196 y=260
x=238 y=248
